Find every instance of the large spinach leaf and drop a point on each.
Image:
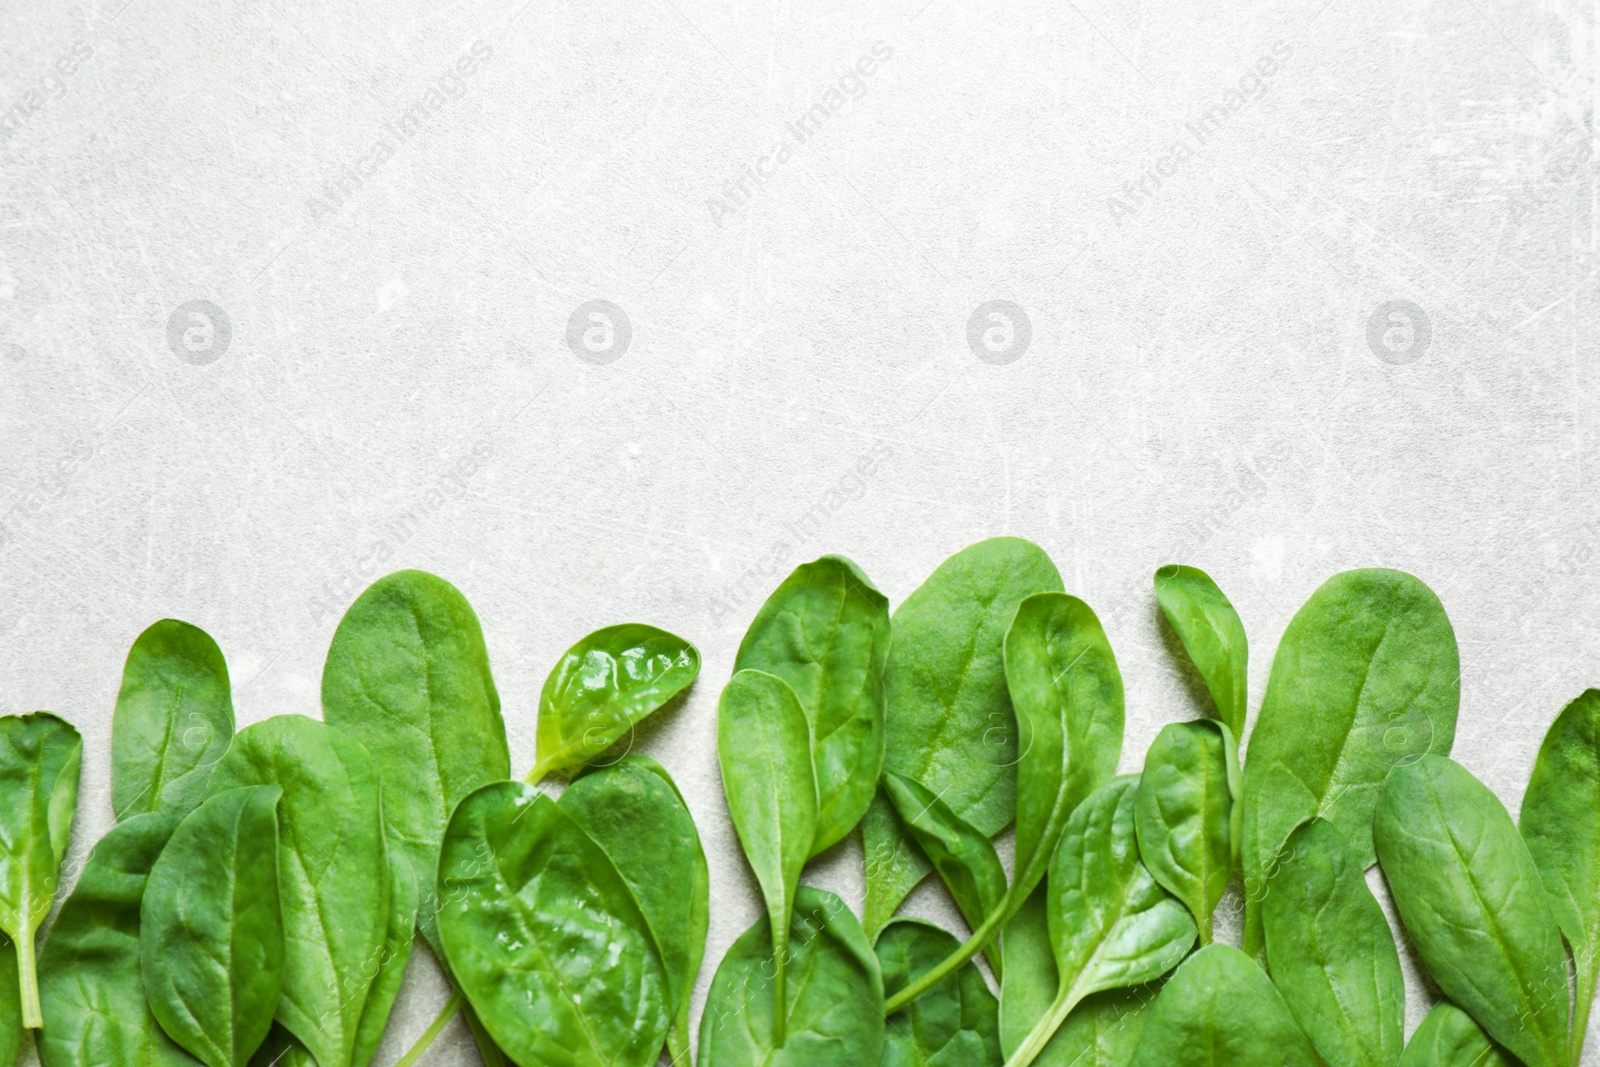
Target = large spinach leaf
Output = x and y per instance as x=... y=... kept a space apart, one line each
x=602 y=686
x=1332 y=954
x=954 y=1024
x=948 y=717
x=39 y=759
x=1561 y=825
x=545 y=937
x=825 y=631
x=1220 y=1010
x=1210 y=630
x=833 y=1008
x=1187 y=813
x=211 y=939
x=173 y=721
x=333 y=873
x=634 y=812
x=1367 y=674
x=1472 y=899
x=1449 y=1038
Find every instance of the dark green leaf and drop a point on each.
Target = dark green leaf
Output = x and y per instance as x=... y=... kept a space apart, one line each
x=1211 y=633
x=1449 y=1038
x=1187 y=814
x=948 y=717
x=1220 y=1010
x=1473 y=902
x=173 y=721
x=211 y=940
x=1332 y=952
x=544 y=936
x=954 y=1024
x=834 y=1003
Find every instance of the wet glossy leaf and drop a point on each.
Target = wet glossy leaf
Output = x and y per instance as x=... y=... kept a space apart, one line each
x=173 y=721
x=602 y=686
x=1187 y=814
x=1449 y=1038
x=948 y=717
x=544 y=936
x=1220 y=1010
x=211 y=942
x=954 y=1024
x=1332 y=953
x=1210 y=630
x=1366 y=675
x=39 y=758
x=1474 y=904
x=825 y=631
x=834 y=1001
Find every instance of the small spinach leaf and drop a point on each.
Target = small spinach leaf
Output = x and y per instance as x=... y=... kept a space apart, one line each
x=211 y=939
x=1187 y=814
x=954 y=1024
x=825 y=631
x=1449 y=1038
x=1210 y=630
x=833 y=1008
x=764 y=747
x=1220 y=1010
x=1473 y=902
x=1332 y=953
x=173 y=721
x=602 y=686
x=39 y=758
x=544 y=936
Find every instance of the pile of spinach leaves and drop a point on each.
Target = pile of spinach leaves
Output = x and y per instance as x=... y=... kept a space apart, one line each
x=259 y=897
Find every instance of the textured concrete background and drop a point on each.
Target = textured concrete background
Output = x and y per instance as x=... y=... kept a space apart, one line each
x=297 y=294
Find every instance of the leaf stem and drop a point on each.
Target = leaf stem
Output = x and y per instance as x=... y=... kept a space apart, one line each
x=678 y=1045
x=451 y=1008
x=780 y=998
x=537 y=775
x=949 y=963
x=1045 y=1028
x=32 y=1016
x=1580 y=1015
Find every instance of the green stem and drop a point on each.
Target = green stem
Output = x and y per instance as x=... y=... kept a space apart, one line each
x=780 y=999
x=678 y=1044
x=451 y=1008
x=1045 y=1028
x=536 y=775
x=950 y=962
x=32 y=1017
x=1580 y=1015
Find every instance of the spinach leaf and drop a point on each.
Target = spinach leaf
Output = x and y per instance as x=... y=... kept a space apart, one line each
x=544 y=936
x=764 y=747
x=954 y=1024
x=964 y=858
x=333 y=873
x=1332 y=953
x=399 y=933
x=1561 y=825
x=408 y=677
x=825 y=631
x=1219 y=1010
x=1367 y=674
x=833 y=1009
x=39 y=758
x=634 y=812
x=604 y=685
x=211 y=939
x=948 y=717
x=173 y=721
x=1449 y=1038
x=1111 y=924
x=1210 y=630
x=281 y=1049
x=89 y=984
x=1471 y=897
x=1187 y=814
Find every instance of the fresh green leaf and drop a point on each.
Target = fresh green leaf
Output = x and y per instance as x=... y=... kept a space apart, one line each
x=1332 y=953
x=603 y=686
x=764 y=746
x=1449 y=1038
x=949 y=723
x=1111 y=925
x=545 y=937
x=833 y=1008
x=333 y=873
x=1472 y=899
x=1210 y=630
x=1561 y=825
x=389 y=970
x=1220 y=1010
x=281 y=1049
x=211 y=940
x=39 y=758
x=825 y=631
x=173 y=721
x=954 y=1024
x=965 y=859
x=634 y=812
x=1367 y=674
x=1187 y=814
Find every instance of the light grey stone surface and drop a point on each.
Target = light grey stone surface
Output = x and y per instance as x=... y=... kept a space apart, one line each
x=1199 y=208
